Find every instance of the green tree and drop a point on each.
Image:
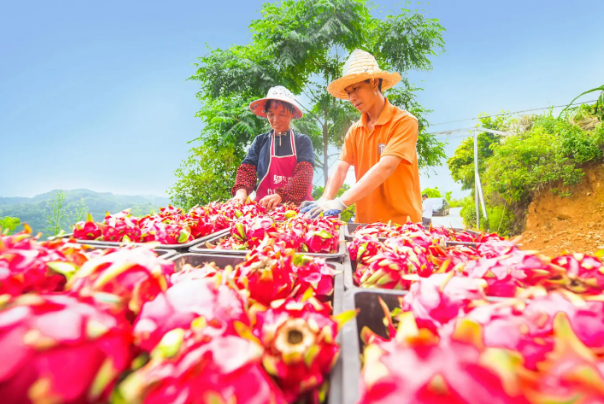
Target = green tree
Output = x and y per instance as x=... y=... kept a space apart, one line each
x=8 y=224
x=56 y=213
x=303 y=46
x=432 y=192
x=79 y=211
x=461 y=164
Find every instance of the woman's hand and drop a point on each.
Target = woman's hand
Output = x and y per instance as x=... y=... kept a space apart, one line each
x=240 y=196
x=270 y=201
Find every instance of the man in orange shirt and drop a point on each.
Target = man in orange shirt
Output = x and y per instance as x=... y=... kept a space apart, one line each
x=381 y=146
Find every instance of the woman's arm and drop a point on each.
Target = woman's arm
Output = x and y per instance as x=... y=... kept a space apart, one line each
x=296 y=188
x=245 y=181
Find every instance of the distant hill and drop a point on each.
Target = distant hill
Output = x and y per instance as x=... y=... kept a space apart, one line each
x=33 y=211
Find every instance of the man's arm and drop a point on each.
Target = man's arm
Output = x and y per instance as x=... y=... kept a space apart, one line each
x=335 y=182
x=370 y=181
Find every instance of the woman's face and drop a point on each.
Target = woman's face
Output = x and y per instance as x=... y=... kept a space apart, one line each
x=279 y=117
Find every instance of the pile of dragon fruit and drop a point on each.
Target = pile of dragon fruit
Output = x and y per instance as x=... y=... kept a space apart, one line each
x=172 y=225
x=119 y=325
x=395 y=262
x=449 y=343
x=297 y=232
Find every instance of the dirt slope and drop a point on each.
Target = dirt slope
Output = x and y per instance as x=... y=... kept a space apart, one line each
x=555 y=224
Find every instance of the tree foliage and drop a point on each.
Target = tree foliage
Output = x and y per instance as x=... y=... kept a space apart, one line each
x=461 y=164
x=545 y=153
x=303 y=45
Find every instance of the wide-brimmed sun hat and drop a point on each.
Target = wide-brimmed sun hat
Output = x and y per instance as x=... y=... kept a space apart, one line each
x=359 y=67
x=278 y=93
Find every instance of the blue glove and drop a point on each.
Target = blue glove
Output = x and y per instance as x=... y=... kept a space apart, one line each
x=308 y=205
x=328 y=207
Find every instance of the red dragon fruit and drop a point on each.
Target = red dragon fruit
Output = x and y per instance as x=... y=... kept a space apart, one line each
x=29 y=266
x=88 y=230
x=196 y=303
x=503 y=325
x=313 y=273
x=266 y=273
x=507 y=274
x=389 y=270
x=284 y=211
x=362 y=248
x=378 y=230
x=58 y=348
x=571 y=373
x=116 y=227
x=582 y=273
x=299 y=341
x=586 y=317
x=253 y=230
x=134 y=275
x=321 y=241
x=455 y=369
x=440 y=298
x=172 y=233
x=185 y=370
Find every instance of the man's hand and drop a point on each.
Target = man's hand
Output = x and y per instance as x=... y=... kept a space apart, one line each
x=308 y=205
x=240 y=196
x=270 y=201
x=327 y=207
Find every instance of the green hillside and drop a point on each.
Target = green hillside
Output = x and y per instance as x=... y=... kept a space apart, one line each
x=34 y=210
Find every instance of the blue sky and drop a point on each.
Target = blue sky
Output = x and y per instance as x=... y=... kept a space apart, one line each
x=94 y=94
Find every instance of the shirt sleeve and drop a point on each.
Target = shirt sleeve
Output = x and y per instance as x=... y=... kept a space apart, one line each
x=304 y=150
x=348 y=148
x=403 y=141
x=296 y=188
x=253 y=154
x=246 y=179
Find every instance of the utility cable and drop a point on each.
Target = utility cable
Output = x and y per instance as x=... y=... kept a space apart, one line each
x=511 y=113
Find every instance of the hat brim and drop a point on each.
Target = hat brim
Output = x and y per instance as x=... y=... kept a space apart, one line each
x=257 y=107
x=337 y=87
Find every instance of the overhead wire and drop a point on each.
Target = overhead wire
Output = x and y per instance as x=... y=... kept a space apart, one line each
x=511 y=113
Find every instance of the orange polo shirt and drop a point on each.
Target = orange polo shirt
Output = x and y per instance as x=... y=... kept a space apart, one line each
x=394 y=134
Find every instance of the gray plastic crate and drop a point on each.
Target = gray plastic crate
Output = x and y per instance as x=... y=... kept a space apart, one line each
x=336 y=387
x=336 y=256
x=350 y=228
x=180 y=247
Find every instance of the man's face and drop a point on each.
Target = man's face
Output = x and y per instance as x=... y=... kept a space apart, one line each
x=363 y=95
x=424 y=198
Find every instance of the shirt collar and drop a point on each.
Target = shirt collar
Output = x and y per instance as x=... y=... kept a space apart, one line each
x=385 y=116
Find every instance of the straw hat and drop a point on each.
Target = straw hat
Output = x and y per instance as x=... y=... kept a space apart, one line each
x=278 y=93
x=361 y=66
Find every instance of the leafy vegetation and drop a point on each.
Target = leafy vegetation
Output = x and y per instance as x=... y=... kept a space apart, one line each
x=301 y=45
x=8 y=224
x=545 y=153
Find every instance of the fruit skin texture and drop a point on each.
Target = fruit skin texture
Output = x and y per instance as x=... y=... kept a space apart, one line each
x=116 y=227
x=452 y=369
x=60 y=348
x=26 y=265
x=506 y=274
x=299 y=341
x=389 y=269
x=88 y=230
x=213 y=306
x=202 y=371
x=267 y=273
x=134 y=275
x=440 y=298
x=583 y=273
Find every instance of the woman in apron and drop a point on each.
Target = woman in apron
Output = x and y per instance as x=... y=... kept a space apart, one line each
x=279 y=165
